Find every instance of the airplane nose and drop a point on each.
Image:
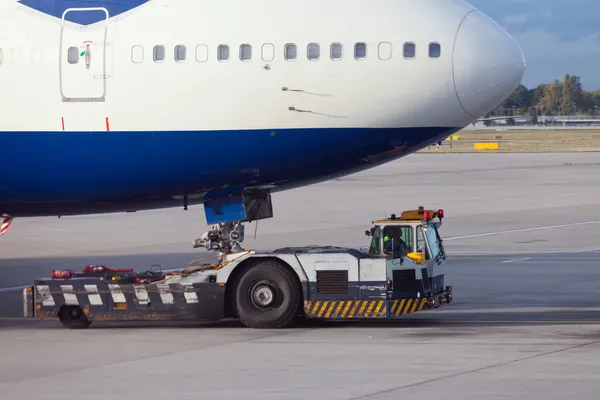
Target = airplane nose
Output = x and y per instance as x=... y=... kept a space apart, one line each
x=488 y=64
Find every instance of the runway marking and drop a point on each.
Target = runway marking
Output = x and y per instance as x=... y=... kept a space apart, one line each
x=8 y=289
x=517 y=321
x=516 y=260
x=19 y=319
x=587 y=250
x=538 y=228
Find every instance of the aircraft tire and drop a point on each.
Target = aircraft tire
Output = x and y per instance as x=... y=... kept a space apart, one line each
x=268 y=296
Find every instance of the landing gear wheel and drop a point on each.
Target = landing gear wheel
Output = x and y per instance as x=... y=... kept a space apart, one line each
x=73 y=317
x=268 y=296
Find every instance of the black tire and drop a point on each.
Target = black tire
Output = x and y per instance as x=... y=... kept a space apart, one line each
x=73 y=317
x=268 y=296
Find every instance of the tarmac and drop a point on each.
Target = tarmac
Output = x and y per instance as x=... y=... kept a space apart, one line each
x=522 y=232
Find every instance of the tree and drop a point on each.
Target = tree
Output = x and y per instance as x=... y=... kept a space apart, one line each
x=537 y=96
x=533 y=115
x=571 y=93
x=552 y=97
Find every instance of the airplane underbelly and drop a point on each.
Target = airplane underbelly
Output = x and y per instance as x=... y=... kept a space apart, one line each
x=62 y=166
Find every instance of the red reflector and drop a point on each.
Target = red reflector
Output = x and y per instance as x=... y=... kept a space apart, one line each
x=441 y=213
x=137 y=280
x=61 y=274
x=427 y=215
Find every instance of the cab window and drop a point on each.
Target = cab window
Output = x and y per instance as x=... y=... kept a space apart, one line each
x=421 y=244
x=403 y=234
x=434 y=242
x=375 y=248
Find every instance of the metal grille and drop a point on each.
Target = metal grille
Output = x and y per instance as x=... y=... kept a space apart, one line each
x=332 y=282
x=426 y=283
x=404 y=280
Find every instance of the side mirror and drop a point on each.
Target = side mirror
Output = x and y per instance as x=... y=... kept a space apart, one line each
x=419 y=258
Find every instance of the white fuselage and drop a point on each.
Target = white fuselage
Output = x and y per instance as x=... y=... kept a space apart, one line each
x=63 y=83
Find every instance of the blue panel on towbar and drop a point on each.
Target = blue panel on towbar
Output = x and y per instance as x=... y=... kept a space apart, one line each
x=226 y=209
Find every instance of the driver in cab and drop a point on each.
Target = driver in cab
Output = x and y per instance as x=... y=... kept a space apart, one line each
x=393 y=243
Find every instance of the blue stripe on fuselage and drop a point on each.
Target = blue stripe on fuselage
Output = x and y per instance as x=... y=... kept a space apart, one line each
x=42 y=172
x=56 y=8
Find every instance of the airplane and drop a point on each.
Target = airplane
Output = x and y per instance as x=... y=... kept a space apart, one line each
x=122 y=105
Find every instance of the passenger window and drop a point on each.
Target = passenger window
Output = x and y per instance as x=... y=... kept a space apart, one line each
x=223 y=52
x=73 y=55
x=201 y=53
x=1 y=56
x=245 y=52
x=137 y=54
x=435 y=50
x=336 y=51
x=268 y=52
x=180 y=53
x=385 y=51
x=409 y=50
x=159 y=53
x=290 y=51
x=360 y=51
x=314 y=52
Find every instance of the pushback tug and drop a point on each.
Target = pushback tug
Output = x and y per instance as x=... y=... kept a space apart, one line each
x=401 y=272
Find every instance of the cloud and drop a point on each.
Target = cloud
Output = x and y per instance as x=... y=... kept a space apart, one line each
x=557 y=36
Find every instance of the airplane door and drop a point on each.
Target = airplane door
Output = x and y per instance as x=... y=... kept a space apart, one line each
x=83 y=50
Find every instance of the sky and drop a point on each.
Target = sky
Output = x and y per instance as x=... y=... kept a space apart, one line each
x=557 y=36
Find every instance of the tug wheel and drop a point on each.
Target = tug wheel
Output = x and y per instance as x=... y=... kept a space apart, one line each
x=268 y=296
x=73 y=317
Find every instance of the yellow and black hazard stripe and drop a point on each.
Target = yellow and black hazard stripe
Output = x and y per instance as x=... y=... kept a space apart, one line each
x=363 y=308
x=407 y=306
x=346 y=309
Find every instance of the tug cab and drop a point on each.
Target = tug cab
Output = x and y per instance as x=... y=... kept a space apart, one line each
x=412 y=247
x=415 y=235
